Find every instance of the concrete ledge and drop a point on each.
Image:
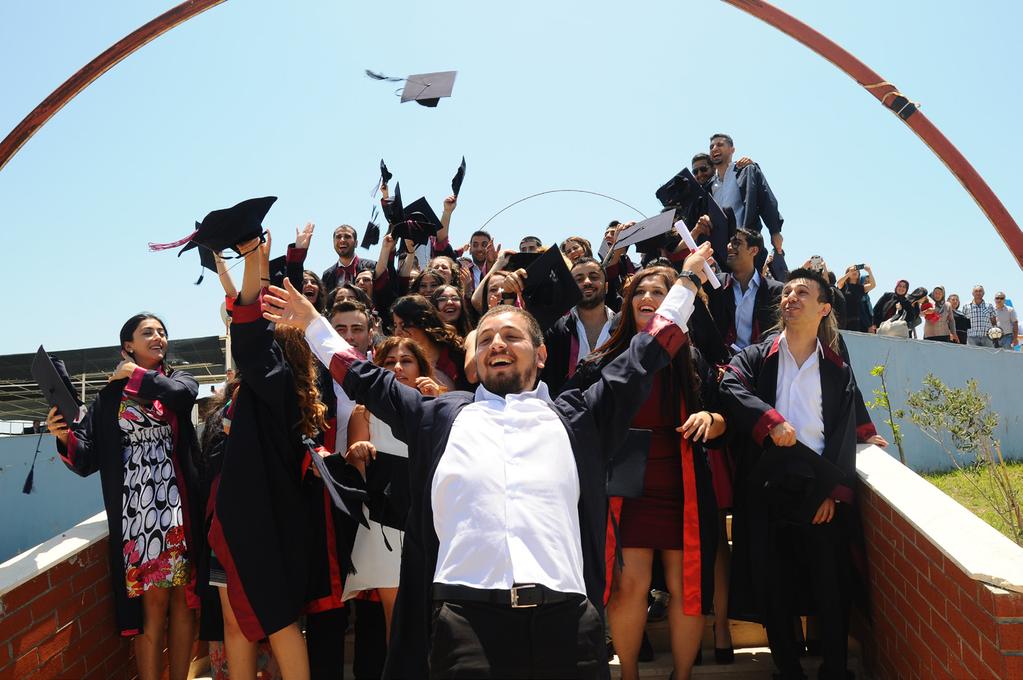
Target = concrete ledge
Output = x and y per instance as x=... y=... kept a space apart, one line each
x=40 y=559
x=983 y=553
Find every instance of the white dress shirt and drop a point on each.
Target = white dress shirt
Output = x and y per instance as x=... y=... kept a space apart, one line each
x=798 y=395
x=744 y=303
x=506 y=496
x=580 y=332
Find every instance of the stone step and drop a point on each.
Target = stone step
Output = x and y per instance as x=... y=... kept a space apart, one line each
x=744 y=634
x=752 y=663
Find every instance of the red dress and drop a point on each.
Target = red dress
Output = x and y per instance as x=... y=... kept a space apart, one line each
x=655 y=520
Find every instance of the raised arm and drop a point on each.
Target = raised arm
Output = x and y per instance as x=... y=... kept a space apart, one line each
x=450 y=203
x=177 y=391
x=397 y=405
x=869 y=285
x=225 y=277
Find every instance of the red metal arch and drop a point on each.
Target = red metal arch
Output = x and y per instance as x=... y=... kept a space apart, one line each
x=94 y=69
x=892 y=99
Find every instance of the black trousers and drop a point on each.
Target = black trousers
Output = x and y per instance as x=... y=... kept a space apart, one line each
x=370 y=640
x=325 y=640
x=478 y=640
x=801 y=558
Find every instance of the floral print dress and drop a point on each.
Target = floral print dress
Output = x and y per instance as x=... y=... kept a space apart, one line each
x=152 y=519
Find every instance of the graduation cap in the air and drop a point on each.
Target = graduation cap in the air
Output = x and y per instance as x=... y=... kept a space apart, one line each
x=223 y=229
x=793 y=481
x=418 y=222
x=372 y=234
x=387 y=485
x=456 y=181
x=423 y=88
x=627 y=468
x=393 y=209
x=385 y=174
x=50 y=374
x=550 y=291
x=649 y=232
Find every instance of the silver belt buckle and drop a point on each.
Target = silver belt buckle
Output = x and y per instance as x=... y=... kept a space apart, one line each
x=515 y=597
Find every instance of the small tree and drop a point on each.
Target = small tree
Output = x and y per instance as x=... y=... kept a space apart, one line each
x=881 y=401
x=961 y=421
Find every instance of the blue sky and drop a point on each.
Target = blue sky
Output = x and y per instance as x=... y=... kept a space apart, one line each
x=256 y=97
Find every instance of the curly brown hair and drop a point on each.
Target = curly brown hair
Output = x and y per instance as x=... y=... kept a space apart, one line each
x=303 y=368
x=418 y=312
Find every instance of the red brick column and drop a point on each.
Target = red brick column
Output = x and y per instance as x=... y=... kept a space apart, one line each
x=930 y=619
x=60 y=624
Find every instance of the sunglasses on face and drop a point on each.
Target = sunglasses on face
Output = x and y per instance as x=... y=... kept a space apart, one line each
x=701 y=169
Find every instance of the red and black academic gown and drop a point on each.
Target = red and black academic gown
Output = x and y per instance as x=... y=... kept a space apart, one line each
x=699 y=506
x=95 y=444
x=748 y=392
x=263 y=527
x=596 y=421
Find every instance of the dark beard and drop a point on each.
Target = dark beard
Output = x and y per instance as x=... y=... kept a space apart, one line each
x=598 y=301
x=510 y=383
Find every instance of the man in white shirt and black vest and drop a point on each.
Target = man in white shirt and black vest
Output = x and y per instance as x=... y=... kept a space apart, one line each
x=794 y=519
x=503 y=565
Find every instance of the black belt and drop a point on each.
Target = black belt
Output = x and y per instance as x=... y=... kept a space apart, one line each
x=520 y=596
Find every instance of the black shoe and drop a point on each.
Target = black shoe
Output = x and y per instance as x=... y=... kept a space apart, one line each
x=724 y=655
x=610 y=650
x=658 y=609
x=646 y=650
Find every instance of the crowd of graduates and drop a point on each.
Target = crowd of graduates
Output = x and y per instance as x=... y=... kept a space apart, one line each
x=296 y=511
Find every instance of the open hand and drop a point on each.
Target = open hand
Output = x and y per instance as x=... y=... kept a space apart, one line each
x=697 y=426
x=288 y=306
x=878 y=440
x=303 y=237
x=124 y=369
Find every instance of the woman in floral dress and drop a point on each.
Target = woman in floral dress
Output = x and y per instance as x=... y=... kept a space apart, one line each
x=138 y=434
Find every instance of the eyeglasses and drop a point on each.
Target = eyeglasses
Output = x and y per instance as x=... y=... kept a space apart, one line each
x=448 y=298
x=701 y=169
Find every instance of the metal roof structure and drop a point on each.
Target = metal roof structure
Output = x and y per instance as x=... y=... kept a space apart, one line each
x=21 y=399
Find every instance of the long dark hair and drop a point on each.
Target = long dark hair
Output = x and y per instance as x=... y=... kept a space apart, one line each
x=320 y=303
x=127 y=333
x=418 y=312
x=681 y=376
x=462 y=324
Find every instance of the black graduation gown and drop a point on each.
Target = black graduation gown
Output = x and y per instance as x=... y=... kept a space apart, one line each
x=562 y=341
x=96 y=446
x=270 y=526
x=596 y=421
x=748 y=392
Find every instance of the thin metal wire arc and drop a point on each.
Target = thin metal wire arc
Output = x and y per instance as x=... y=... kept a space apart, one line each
x=562 y=191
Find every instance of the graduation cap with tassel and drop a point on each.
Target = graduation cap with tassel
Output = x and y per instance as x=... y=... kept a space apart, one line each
x=54 y=382
x=425 y=89
x=371 y=236
x=223 y=229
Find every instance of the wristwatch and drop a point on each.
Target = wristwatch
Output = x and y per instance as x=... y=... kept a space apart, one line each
x=685 y=273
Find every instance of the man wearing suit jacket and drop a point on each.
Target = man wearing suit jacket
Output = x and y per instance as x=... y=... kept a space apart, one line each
x=503 y=569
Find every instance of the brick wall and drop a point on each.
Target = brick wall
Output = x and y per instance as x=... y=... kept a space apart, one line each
x=60 y=623
x=931 y=619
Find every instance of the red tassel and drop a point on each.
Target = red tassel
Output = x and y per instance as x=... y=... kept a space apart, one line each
x=167 y=246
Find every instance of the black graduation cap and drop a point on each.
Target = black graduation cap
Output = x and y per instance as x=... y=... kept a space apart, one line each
x=385 y=174
x=550 y=291
x=519 y=261
x=794 y=480
x=679 y=191
x=418 y=222
x=278 y=270
x=392 y=206
x=387 y=484
x=223 y=229
x=627 y=467
x=371 y=236
x=647 y=235
x=49 y=373
x=456 y=181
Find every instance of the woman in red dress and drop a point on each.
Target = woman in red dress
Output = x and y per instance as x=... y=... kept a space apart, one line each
x=676 y=514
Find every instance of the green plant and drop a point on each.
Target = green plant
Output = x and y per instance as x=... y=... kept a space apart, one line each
x=961 y=421
x=881 y=401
